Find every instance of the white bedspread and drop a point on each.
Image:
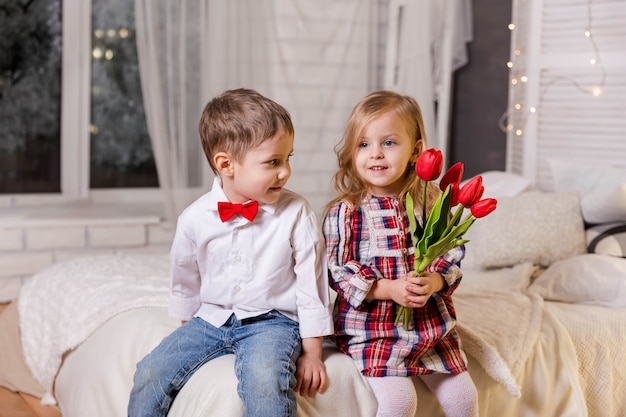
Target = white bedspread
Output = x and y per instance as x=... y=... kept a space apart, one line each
x=602 y=359
x=61 y=306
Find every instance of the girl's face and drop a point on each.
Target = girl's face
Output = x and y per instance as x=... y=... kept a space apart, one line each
x=383 y=153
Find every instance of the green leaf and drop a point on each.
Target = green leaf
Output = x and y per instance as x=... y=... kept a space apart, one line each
x=410 y=212
x=437 y=221
x=436 y=250
x=462 y=228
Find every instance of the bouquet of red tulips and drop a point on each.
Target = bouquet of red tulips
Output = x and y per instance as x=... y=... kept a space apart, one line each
x=441 y=231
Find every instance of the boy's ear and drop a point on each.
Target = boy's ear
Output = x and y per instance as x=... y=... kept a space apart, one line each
x=223 y=163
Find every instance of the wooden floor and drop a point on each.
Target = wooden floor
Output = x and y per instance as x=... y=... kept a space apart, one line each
x=14 y=404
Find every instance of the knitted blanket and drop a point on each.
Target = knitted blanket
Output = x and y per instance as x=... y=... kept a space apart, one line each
x=500 y=330
x=62 y=305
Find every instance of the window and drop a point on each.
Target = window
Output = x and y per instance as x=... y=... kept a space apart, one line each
x=70 y=99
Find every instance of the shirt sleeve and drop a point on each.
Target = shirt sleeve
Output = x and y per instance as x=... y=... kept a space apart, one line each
x=351 y=279
x=312 y=293
x=185 y=282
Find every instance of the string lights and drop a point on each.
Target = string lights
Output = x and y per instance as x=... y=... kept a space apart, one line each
x=519 y=113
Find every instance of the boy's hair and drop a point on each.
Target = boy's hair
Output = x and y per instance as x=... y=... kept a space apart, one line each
x=239 y=120
x=347 y=182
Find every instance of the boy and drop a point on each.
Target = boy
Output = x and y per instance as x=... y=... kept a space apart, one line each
x=248 y=273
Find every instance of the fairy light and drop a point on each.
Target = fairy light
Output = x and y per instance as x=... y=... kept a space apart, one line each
x=594 y=91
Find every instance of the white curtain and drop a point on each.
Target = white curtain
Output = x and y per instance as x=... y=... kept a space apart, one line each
x=188 y=52
x=431 y=44
x=312 y=57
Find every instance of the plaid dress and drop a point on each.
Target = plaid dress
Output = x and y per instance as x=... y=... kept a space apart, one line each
x=372 y=242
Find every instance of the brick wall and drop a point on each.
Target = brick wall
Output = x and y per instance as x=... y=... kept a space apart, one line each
x=30 y=244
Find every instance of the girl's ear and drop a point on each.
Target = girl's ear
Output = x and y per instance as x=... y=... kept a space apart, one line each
x=417 y=150
x=223 y=164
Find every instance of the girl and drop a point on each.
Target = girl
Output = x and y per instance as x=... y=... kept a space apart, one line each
x=370 y=257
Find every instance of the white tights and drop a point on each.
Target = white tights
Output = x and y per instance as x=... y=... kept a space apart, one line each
x=396 y=395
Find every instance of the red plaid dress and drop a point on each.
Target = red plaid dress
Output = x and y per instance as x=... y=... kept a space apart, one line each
x=373 y=242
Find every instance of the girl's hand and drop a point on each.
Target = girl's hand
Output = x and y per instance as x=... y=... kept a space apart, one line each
x=410 y=291
x=419 y=289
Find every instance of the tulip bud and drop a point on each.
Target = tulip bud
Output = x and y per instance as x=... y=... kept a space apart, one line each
x=429 y=164
x=452 y=175
x=471 y=192
x=483 y=207
x=454 y=194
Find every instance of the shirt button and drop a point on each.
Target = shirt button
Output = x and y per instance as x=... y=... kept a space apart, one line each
x=404 y=250
x=237 y=288
x=237 y=258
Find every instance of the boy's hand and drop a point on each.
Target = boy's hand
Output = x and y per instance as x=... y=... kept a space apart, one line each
x=310 y=369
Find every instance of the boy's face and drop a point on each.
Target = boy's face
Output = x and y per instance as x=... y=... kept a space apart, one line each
x=262 y=173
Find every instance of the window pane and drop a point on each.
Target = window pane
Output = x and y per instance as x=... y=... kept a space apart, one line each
x=121 y=153
x=30 y=96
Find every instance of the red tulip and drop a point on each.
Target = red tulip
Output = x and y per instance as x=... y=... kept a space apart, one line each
x=454 y=194
x=471 y=192
x=429 y=164
x=452 y=175
x=483 y=207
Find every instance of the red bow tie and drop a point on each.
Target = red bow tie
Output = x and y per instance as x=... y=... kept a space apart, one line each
x=227 y=210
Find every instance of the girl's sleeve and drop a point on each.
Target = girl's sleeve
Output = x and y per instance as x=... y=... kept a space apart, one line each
x=448 y=266
x=349 y=277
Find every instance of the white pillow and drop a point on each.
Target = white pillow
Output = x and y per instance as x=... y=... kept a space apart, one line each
x=607 y=239
x=502 y=184
x=532 y=227
x=604 y=205
x=584 y=279
x=582 y=177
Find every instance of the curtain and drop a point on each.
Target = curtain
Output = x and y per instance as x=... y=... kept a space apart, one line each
x=432 y=40
x=188 y=52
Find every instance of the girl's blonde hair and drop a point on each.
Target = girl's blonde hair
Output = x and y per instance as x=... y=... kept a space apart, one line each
x=349 y=186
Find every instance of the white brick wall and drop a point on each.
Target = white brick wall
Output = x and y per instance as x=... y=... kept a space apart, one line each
x=325 y=67
x=29 y=245
x=55 y=237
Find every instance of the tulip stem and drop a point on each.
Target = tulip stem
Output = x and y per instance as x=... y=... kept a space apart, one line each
x=424 y=203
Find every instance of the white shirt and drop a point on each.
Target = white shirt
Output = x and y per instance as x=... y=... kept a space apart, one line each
x=276 y=262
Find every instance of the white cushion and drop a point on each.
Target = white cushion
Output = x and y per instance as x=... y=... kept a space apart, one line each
x=582 y=177
x=532 y=227
x=585 y=279
x=502 y=184
x=604 y=205
x=602 y=189
x=607 y=239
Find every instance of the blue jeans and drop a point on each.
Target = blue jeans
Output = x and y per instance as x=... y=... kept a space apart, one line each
x=266 y=349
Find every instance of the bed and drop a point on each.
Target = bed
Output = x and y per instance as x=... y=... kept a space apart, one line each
x=542 y=321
